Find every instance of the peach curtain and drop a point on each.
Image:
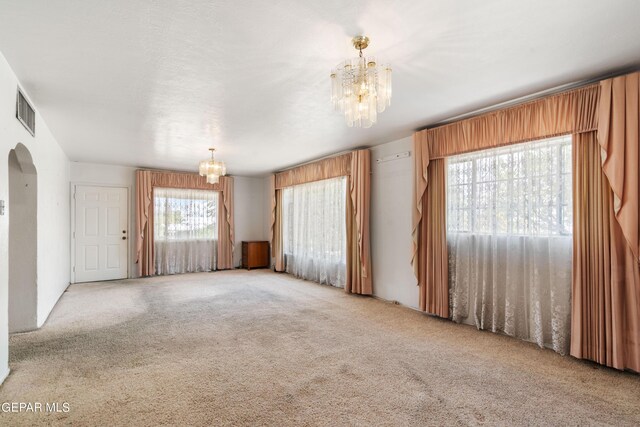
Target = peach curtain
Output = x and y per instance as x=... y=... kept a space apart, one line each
x=144 y=221
x=618 y=136
x=432 y=262
x=277 y=232
x=146 y=180
x=272 y=215
x=272 y=203
x=420 y=175
x=573 y=111
x=185 y=180
x=316 y=171
x=605 y=320
x=225 y=224
x=358 y=207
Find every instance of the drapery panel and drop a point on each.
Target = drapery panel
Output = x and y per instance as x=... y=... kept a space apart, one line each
x=275 y=229
x=225 y=224
x=432 y=262
x=272 y=217
x=333 y=167
x=144 y=230
x=357 y=167
x=314 y=230
x=185 y=230
x=278 y=250
x=605 y=320
x=618 y=136
x=146 y=181
x=358 y=206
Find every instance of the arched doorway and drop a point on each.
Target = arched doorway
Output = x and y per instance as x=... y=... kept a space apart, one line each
x=22 y=206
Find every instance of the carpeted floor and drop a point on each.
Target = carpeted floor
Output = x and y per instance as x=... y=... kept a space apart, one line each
x=259 y=348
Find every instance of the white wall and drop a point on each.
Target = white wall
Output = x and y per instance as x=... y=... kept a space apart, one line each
x=53 y=208
x=23 y=247
x=249 y=212
x=391 y=187
x=110 y=176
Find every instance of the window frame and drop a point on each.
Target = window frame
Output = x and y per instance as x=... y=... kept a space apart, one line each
x=215 y=215
x=562 y=171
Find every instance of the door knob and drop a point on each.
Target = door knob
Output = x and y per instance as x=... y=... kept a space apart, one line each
x=124 y=238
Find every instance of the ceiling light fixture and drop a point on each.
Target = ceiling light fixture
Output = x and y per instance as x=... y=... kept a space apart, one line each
x=212 y=169
x=361 y=88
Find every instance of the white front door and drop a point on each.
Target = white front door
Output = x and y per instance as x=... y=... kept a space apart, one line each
x=101 y=233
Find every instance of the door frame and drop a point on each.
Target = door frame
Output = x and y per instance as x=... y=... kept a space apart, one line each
x=72 y=237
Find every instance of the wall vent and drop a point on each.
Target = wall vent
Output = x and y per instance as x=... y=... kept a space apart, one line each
x=25 y=113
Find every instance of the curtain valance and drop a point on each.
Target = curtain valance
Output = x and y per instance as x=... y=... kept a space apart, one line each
x=316 y=171
x=574 y=111
x=184 y=180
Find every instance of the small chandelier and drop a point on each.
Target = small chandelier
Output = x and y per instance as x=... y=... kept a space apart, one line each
x=361 y=88
x=212 y=169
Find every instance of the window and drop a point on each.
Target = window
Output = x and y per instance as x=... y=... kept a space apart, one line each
x=314 y=230
x=182 y=214
x=509 y=226
x=522 y=189
x=185 y=230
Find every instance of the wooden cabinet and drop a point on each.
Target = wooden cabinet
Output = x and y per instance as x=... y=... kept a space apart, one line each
x=255 y=254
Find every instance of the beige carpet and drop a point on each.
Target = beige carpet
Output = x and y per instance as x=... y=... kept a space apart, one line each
x=259 y=348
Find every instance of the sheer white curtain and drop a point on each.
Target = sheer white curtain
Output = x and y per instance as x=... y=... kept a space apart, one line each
x=509 y=225
x=185 y=230
x=314 y=231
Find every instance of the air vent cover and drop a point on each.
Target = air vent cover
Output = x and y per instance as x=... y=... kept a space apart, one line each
x=25 y=113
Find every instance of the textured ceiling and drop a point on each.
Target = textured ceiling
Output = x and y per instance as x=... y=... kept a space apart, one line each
x=155 y=83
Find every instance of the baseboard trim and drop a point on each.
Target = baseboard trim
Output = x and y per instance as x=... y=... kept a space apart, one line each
x=395 y=302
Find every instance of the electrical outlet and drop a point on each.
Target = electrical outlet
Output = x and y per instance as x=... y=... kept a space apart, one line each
x=1 y=207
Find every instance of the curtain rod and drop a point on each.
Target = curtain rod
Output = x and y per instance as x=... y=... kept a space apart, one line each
x=531 y=97
x=164 y=170
x=176 y=171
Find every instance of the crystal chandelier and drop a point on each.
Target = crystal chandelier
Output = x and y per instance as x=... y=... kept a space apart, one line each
x=212 y=169
x=361 y=88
